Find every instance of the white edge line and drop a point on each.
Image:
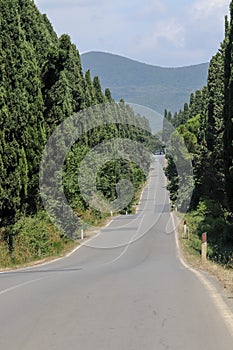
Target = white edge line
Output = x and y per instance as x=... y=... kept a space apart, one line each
x=4 y=291
x=215 y=295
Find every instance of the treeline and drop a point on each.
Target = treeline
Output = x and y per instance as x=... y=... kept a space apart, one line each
x=42 y=84
x=206 y=125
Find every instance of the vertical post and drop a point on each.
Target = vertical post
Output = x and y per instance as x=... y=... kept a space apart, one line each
x=185 y=229
x=111 y=213
x=204 y=246
x=82 y=234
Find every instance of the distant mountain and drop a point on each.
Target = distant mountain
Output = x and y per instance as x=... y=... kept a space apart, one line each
x=147 y=85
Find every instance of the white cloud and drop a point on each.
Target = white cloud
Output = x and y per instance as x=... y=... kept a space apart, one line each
x=205 y=8
x=146 y=30
x=153 y=8
x=169 y=30
x=55 y=4
x=172 y=31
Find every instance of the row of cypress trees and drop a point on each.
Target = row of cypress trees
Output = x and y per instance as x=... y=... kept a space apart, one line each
x=206 y=124
x=42 y=84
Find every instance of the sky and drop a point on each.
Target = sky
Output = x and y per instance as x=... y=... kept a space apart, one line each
x=167 y=33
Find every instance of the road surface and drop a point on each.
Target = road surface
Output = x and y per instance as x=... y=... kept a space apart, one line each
x=124 y=290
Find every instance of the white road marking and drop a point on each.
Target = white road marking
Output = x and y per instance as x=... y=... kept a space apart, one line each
x=4 y=291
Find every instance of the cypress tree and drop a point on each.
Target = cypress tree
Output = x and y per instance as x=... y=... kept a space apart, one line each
x=228 y=113
x=21 y=111
x=98 y=92
x=108 y=95
x=90 y=88
x=213 y=181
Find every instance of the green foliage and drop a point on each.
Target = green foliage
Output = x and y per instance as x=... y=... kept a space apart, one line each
x=189 y=132
x=35 y=238
x=115 y=171
x=112 y=172
x=211 y=218
x=98 y=92
x=206 y=126
x=108 y=95
x=207 y=135
x=21 y=111
x=173 y=179
x=41 y=85
x=228 y=112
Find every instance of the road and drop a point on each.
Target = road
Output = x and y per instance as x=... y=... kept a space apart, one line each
x=124 y=290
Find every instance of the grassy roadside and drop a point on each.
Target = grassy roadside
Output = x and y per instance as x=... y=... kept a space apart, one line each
x=36 y=241
x=39 y=241
x=191 y=251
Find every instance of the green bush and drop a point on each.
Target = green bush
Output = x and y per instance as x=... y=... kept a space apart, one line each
x=210 y=217
x=35 y=238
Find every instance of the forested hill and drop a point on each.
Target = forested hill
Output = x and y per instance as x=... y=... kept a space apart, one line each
x=206 y=124
x=41 y=84
x=151 y=86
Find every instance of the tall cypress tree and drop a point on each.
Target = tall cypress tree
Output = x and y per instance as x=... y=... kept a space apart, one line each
x=21 y=112
x=213 y=180
x=98 y=92
x=228 y=113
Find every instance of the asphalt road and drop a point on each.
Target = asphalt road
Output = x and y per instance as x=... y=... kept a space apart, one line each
x=124 y=290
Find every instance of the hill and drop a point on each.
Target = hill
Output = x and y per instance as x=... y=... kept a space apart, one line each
x=151 y=86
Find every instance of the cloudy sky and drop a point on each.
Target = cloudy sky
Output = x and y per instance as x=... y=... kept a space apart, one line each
x=159 y=32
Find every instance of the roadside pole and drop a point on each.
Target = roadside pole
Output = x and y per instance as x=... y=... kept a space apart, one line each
x=82 y=234
x=185 y=229
x=204 y=247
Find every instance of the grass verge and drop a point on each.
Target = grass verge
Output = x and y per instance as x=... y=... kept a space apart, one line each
x=191 y=249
